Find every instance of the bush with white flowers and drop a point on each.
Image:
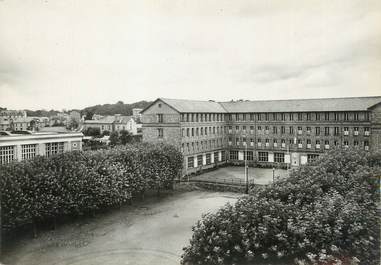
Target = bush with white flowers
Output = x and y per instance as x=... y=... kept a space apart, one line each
x=324 y=213
x=76 y=183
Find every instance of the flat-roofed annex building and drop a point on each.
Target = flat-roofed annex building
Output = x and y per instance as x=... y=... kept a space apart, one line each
x=18 y=147
x=272 y=133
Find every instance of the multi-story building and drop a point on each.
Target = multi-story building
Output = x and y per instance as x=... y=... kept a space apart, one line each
x=274 y=133
x=18 y=147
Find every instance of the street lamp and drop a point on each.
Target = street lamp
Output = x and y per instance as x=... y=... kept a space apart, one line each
x=246 y=173
x=273 y=174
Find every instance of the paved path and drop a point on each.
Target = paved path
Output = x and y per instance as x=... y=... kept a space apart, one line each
x=236 y=174
x=153 y=232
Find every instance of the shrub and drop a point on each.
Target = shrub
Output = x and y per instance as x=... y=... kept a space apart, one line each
x=76 y=183
x=324 y=213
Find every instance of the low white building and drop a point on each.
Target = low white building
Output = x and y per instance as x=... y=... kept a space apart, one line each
x=18 y=147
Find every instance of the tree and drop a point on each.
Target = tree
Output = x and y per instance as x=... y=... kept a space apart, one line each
x=105 y=132
x=92 y=131
x=114 y=138
x=125 y=137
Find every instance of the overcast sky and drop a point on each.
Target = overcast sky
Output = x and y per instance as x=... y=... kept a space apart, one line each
x=75 y=53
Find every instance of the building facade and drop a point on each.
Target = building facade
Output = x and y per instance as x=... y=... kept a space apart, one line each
x=279 y=133
x=114 y=123
x=18 y=147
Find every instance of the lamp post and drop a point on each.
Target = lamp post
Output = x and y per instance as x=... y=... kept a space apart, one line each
x=246 y=175
x=273 y=174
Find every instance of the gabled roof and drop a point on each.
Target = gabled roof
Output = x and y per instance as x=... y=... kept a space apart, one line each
x=185 y=105
x=303 y=105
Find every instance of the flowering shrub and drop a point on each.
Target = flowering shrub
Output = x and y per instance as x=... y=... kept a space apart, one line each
x=81 y=182
x=324 y=213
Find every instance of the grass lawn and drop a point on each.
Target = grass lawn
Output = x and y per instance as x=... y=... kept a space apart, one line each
x=237 y=174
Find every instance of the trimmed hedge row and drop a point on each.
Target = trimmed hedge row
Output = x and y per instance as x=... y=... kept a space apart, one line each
x=76 y=183
x=325 y=213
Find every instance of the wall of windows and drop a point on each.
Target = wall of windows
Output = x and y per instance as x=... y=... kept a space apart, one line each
x=54 y=148
x=7 y=154
x=28 y=151
x=263 y=156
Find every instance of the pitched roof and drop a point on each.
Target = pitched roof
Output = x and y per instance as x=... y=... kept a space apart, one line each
x=185 y=105
x=303 y=105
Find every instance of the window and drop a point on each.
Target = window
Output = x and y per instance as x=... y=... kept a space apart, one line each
x=279 y=157
x=367 y=116
x=283 y=116
x=356 y=143
x=346 y=131
x=236 y=128
x=317 y=130
x=190 y=162
x=259 y=128
x=317 y=116
x=249 y=155
x=215 y=157
x=291 y=116
x=263 y=156
x=346 y=116
x=206 y=130
x=56 y=148
x=251 y=116
x=308 y=130
x=259 y=117
x=275 y=129
x=199 y=160
x=237 y=141
x=7 y=154
x=326 y=116
x=308 y=116
x=336 y=131
x=356 y=130
x=244 y=129
x=326 y=131
x=356 y=116
x=208 y=159
x=266 y=116
x=282 y=130
x=300 y=116
x=366 y=131
x=223 y=156
x=251 y=129
x=336 y=116
x=291 y=130
x=192 y=132
x=275 y=116
x=28 y=151
x=312 y=158
x=346 y=143
x=237 y=117
x=233 y=155
x=188 y=132
x=244 y=117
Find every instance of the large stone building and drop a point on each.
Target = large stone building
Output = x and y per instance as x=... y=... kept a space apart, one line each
x=273 y=133
x=18 y=147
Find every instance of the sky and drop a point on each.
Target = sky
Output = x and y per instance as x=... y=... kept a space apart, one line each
x=69 y=54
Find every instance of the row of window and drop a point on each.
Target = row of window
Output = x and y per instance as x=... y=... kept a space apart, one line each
x=298 y=142
x=300 y=116
x=191 y=132
x=202 y=145
x=191 y=163
x=300 y=130
x=264 y=156
x=202 y=117
x=28 y=151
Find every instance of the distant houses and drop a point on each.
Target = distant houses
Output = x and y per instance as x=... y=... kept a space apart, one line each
x=114 y=123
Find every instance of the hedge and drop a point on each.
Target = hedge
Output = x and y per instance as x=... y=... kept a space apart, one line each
x=324 y=213
x=76 y=183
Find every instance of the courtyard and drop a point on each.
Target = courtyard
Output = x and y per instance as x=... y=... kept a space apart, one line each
x=150 y=232
x=236 y=175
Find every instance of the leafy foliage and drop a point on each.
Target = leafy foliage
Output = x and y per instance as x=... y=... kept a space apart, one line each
x=117 y=108
x=324 y=213
x=76 y=183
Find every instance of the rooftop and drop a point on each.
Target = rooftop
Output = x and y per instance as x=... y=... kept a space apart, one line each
x=288 y=105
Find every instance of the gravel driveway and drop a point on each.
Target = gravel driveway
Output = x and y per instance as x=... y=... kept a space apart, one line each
x=150 y=232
